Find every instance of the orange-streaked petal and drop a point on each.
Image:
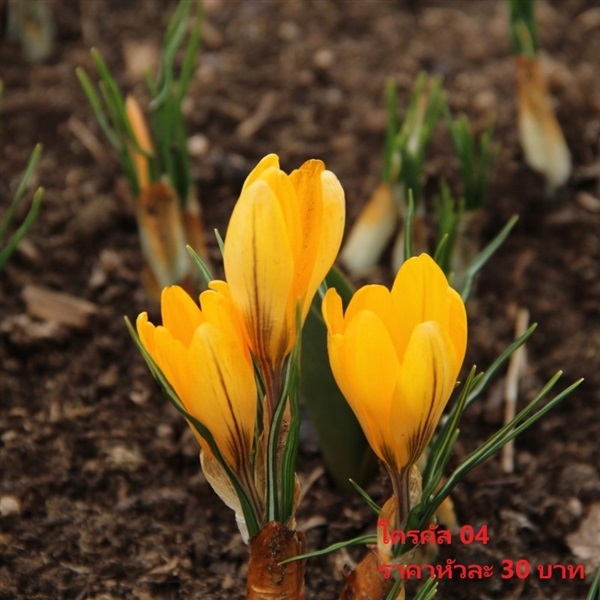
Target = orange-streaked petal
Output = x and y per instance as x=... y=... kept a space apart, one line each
x=306 y=180
x=223 y=392
x=425 y=381
x=259 y=268
x=218 y=308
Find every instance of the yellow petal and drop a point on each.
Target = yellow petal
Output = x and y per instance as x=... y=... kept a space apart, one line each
x=172 y=358
x=333 y=312
x=168 y=353
x=457 y=325
x=281 y=186
x=331 y=231
x=259 y=267
x=369 y=377
x=425 y=382
x=180 y=314
x=337 y=354
x=218 y=308
x=306 y=180
x=145 y=330
x=223 y=392
x=378 y=299
x=419 y=294
x=271 y=160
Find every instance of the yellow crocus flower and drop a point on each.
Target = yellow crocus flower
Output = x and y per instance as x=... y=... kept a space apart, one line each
x=283 y=236
x=204 y=356
x=396 y=356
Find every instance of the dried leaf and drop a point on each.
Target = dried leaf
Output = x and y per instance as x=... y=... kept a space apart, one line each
x=58 y=307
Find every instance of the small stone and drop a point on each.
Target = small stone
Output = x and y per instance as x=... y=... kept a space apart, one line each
x=575 y=507
x=324 y=58
x=122 y=456
x=10 y=505
x=198 y=145
x=139 y=396
x=227 y=582
x=164 y=431
x=9 y=436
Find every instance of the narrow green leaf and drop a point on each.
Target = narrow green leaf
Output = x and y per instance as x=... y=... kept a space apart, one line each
x=594 y=592
x=290 y=452
x=486 y=377
x=113 y=93
x=22 y=230
x=448 y=216
x=205 y=273
x=476 y=158
x=173 y=40
x=391 y=130
x=523 y=29
x=428 y=590
x=357 y=541
x=272 y=483
x=441 y=250
x=220 y=242
x=96 y=104
x=442 y=446
x=21 y=189
x=515 y=427
x=484 y=256
x=191 y=53
x=425 y=106
x=408 y=225
x=370 y=502
x=394 y=591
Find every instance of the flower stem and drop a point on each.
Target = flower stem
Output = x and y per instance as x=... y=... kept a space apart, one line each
x=401 y=488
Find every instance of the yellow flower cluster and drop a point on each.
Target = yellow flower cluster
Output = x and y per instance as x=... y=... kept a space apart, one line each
x=396 y=355
x=282 y=239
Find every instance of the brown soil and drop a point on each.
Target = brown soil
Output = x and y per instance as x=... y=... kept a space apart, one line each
x=101 y=492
